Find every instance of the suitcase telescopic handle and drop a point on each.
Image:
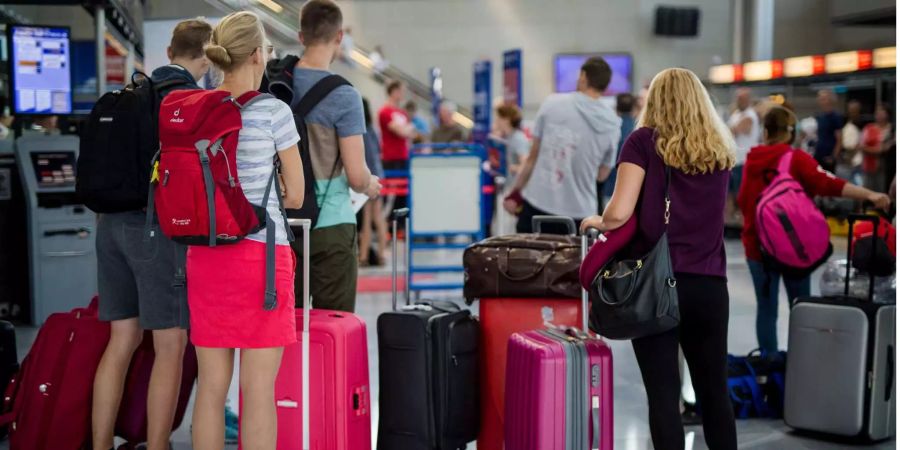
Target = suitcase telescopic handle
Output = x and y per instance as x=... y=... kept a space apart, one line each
x=399 y=213
x=852 y=219
x=306 y=224
x=396 y=215
x=538 y=221
x=589 y=236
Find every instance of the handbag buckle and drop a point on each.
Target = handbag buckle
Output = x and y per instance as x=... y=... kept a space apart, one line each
x=672 y=282
x=607 y=274
x=666 y=214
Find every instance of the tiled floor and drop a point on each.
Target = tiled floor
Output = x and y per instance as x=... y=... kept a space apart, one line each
x=631 y=432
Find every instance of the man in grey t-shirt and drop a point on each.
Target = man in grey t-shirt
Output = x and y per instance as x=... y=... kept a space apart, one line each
x=575 y=139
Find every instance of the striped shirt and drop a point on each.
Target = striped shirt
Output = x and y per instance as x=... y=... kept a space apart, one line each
x=268 y=126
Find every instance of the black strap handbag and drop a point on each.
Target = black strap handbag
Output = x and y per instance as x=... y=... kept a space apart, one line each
x=633 y=298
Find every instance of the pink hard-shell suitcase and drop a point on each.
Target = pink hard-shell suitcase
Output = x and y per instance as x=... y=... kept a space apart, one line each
x=339 y=385
x=336 y=376
x=559 y=392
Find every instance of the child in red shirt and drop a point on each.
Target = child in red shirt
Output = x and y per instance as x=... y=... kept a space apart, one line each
x=779 y=131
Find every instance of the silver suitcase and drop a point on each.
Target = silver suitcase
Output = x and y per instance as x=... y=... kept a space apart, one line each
x=840 y=366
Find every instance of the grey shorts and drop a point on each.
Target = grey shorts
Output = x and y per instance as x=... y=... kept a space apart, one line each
x=137 y=278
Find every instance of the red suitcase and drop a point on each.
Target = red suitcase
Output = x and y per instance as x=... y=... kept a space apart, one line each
x=51 y=394
x=337 y=379
x=131 y=424
x=500 y=318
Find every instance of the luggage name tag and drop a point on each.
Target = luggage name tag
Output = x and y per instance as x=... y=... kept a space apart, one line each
x=154 y=175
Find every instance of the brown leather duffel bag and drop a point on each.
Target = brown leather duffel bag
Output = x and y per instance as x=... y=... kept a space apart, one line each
x=523 y=266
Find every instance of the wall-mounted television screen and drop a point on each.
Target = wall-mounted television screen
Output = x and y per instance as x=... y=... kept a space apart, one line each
x=567 y=67
x=40 y=69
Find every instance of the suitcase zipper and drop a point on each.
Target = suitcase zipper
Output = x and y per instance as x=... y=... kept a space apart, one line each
x=58 y=372
x=429 y=381
x=447 y=372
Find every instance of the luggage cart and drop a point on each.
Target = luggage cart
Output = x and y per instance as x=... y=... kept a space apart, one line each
x=446 y=201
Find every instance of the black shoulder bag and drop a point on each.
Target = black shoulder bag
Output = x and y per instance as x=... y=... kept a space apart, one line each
x=636 y=298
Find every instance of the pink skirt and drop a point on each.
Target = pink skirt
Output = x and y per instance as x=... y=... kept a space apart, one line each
x=226 y=292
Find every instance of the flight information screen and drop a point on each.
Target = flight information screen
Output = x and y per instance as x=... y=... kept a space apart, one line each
x=54 y=169
x=568 y=68
x=41 y=69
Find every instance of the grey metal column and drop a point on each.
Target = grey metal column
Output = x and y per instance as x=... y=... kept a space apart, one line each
x=763 y=30
x=100 y=36
x=737 y=38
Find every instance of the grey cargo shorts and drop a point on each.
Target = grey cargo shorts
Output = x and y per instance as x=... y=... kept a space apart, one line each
x=137 y=277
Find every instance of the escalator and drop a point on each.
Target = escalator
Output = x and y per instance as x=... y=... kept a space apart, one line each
x=356 y=67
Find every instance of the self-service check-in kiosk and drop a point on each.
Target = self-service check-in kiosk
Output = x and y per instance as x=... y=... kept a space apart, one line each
x=61 y=232
x=14 y=297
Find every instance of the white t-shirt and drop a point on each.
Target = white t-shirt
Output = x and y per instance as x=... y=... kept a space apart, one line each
x=745 y=141
x=578 y=135
x=268 y=127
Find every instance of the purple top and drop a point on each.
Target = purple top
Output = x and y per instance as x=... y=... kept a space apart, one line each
x=697 y=221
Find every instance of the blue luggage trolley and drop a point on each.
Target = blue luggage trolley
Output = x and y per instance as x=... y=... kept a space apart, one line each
x=446 y=201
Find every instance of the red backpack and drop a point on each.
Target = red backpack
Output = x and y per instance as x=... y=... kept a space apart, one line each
x=195 y=188
x=874 y=252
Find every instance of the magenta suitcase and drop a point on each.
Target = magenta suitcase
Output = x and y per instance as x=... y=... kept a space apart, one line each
x=559 y=391
x=339 y=385
x=336 y=376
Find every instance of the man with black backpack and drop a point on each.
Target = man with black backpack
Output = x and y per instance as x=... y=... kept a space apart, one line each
x=141 y=281
x=329 y=115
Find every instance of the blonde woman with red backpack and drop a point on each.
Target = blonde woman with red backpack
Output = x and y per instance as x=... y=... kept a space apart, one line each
x=227 y=283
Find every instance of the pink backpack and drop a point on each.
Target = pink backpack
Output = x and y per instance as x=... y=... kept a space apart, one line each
x=793 y=232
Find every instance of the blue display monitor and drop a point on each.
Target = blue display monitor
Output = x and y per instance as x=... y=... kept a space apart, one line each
x=567 y=67
x=40 y=69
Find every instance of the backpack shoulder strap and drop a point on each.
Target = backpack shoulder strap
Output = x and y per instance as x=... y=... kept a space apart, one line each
x=784 y=164
x=318 y=93
x=251 y=97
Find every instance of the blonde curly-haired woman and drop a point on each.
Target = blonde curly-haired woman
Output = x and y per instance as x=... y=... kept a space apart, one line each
x=679 y=129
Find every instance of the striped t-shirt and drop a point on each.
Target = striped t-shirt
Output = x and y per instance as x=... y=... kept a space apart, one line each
x=268 y=126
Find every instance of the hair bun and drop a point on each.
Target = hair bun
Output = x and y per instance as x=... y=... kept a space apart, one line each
x=218 y=55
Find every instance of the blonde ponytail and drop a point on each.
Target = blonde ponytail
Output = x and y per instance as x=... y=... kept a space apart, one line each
x=235 y=39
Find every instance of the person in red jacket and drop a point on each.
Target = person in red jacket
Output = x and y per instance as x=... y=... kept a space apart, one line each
x=779 y=126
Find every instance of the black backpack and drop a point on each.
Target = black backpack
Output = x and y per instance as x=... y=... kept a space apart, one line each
x=279 y=81
x=117 y=145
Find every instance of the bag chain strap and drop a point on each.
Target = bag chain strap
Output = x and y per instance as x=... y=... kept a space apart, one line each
x=668 y=201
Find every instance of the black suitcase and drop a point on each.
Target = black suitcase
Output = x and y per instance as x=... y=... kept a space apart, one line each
x=428 y=373
x=9 y=359
x=840 y=377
